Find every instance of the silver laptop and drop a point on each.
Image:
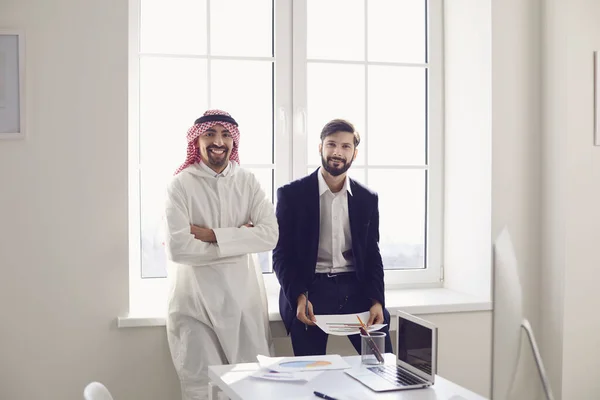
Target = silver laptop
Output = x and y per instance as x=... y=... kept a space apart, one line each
x=416 y=359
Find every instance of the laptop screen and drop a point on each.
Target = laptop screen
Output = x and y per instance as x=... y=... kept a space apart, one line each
x=415 y=345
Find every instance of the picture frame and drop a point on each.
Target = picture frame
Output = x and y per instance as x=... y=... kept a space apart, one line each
x=12 y=84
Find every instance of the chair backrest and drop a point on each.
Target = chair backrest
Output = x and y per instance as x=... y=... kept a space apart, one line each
x=507 y=317
x=96 y=391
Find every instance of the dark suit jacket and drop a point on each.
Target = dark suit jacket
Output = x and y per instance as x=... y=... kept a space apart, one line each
x=295 y=256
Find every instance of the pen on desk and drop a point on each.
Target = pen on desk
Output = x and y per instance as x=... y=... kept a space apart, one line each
x=372 y=345
x=306 y=310
x=323 y=396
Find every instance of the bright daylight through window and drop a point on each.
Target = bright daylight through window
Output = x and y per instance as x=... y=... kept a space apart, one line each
x=283 y=69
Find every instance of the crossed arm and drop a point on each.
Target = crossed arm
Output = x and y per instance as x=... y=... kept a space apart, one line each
x=208 y=235
x=195 y=245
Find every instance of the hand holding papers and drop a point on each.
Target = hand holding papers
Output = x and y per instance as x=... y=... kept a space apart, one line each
x=344 y=324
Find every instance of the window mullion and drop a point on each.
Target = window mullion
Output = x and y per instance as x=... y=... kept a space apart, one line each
x=435 y=138
x=208 y=58
x=299 y=89
x=283 y=92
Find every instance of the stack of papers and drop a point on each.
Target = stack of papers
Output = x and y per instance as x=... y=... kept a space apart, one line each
x=297 y=368
x=302 y=376
x=304 y=363
x=344 y=324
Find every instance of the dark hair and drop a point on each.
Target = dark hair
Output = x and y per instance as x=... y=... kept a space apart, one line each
x=339 y=125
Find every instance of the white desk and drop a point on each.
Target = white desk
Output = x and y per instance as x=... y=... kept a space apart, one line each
x=235 y=382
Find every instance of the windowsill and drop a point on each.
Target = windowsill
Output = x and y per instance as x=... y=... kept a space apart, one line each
x=414 y=301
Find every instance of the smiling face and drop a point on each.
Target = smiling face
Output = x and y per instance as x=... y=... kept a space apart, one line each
x=215 y=146
x=337 y=152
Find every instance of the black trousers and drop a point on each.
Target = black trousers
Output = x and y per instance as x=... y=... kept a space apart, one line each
x=338 y=294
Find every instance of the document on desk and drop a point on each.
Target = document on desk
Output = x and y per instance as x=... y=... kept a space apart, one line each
x=344 y=324
x=292 y=376
x=303 y=363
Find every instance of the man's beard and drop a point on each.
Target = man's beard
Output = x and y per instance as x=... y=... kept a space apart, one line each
x=216 y=160
x=335 y=171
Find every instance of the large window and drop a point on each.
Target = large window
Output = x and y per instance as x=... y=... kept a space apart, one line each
x=283 y=69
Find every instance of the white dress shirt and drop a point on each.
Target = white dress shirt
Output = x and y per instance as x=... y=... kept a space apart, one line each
x=335 y=240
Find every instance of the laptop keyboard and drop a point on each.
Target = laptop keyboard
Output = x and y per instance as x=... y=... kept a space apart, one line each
x=396 y=375
x=425 y=368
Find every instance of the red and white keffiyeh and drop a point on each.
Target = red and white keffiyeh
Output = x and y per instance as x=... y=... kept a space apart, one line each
x=193 y=152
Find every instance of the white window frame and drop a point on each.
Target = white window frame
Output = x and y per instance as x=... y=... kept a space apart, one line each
x=431 y=276
x=147 y=295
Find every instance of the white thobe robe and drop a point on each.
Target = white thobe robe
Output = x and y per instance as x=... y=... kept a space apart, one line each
x=216 y=312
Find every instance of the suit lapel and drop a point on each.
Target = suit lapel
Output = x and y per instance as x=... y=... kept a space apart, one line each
x=353 y=208
x=314 y=212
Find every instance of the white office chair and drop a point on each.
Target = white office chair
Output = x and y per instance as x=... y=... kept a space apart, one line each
x=509 y=321
x=96 y=391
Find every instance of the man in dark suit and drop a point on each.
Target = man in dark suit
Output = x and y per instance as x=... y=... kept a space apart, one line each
x=327 y=259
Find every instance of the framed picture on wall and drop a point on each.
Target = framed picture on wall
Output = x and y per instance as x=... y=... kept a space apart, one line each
x=12 y=91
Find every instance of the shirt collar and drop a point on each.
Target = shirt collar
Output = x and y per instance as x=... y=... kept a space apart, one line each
x=323 y=187
x=209 y=170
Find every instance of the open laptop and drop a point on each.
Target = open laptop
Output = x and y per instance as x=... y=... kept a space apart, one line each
x=416 y=359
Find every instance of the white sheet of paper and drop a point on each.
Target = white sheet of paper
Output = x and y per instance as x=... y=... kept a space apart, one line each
x=344 y=324
x=299 y=376
x=303 y=363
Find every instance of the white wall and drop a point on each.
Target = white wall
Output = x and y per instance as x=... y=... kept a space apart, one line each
x=63 y=214
x=555 y=101
x=516 y=148
x=581 y=341
x=549 y=126
x=464 y=352
x=572 y=320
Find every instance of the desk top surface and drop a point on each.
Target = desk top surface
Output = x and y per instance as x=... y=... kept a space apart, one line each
x=235 y=381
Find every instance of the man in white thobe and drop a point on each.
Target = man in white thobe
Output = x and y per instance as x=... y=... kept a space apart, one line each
x=217 y=215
